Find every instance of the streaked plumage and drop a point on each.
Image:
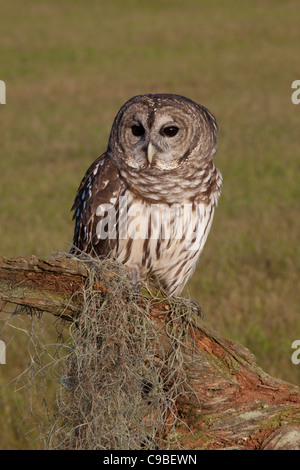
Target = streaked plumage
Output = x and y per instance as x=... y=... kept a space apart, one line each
x=155 y=182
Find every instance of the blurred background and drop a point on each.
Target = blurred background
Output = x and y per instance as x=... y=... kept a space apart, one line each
x=69 y=65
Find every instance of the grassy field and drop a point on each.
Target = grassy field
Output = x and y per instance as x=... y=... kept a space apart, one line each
x=69 y=65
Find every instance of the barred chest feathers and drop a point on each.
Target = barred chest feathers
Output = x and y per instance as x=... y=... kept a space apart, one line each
x=164 y=241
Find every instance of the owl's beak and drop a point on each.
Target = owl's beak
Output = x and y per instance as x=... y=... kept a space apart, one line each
x=150 y=152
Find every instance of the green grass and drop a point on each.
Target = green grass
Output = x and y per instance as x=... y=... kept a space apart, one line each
x=68 y=67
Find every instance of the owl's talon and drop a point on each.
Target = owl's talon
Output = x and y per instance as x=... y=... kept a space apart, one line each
x=196 y=308
x=137 y=287
x=134 y=274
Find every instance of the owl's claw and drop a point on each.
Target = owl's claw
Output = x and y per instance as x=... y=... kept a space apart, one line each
x=137 y=287
x=134 y=274
x=196 y=308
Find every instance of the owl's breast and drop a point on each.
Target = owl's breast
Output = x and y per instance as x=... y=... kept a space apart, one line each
x=163 y=240
x=161 y=187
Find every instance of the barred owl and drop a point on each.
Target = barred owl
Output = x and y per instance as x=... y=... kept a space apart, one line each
x=149 y=200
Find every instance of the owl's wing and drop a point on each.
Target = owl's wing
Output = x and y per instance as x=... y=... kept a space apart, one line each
x=99 y=188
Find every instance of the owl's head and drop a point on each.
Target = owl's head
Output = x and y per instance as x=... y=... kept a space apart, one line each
x=156 y=133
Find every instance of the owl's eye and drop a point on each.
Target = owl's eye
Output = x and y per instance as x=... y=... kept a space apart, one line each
x=170 y=131
x=138 y=131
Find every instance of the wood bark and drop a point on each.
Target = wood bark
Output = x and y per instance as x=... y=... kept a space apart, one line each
x=234 y=404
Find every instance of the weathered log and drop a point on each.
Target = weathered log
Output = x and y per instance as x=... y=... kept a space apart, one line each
x=45 y=284
x=227 y=400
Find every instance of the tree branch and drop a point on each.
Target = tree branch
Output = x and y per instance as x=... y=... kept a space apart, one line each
x=226 y=401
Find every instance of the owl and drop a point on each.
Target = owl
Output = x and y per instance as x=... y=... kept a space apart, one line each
x=149 y=200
